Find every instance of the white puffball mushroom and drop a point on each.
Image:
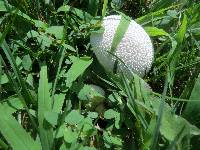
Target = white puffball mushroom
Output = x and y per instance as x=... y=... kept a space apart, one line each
x=135 y=49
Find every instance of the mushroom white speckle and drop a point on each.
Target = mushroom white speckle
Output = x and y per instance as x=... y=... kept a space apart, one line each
x=135 y=49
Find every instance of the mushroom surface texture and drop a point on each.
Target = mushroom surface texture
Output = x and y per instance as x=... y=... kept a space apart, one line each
x=135 y=49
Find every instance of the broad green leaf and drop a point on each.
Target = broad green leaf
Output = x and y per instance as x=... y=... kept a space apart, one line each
x=2 y=6
x=87 y=148
x=18 y=61
x=78 y=67
x=93 y=7
x=51 y=117
x=44 y=41
x=172 y=13
x=92 y=93
x=44 y=105
x=58 y=102
x=4 y=79
x=86 y=127
x=110 y=114
x=192 y=110
x=70 y=136
x=172 y=125
x=14 y=133
x=121 y=30
x=112 y=140
x=12 y=104
x=27 y=62
x=74 y=117
x=92 y=115
x=57 y=31
x=32 y=34
x=66 y=46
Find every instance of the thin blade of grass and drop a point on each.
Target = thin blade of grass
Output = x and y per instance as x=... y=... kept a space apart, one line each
x=25 y=91
x=62 y=51
x=157 y=15
x=105 y=5
x=132 y=104
x=16 y=88
x=0 y=77
x=160 y=113
x=193 y=108
x=181 y=33
x=44 y=105
x=121 y=30
x=13 y=132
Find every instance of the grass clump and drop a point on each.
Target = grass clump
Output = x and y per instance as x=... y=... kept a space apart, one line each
x=48 y=77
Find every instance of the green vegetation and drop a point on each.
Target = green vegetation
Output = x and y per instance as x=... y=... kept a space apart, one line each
x=48 y=73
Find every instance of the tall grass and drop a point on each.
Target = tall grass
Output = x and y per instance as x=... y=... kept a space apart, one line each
x=48 y=72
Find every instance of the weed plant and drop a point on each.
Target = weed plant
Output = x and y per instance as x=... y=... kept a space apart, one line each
x=48 y=71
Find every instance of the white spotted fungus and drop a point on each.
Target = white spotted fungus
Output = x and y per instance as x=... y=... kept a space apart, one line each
x=135 y=49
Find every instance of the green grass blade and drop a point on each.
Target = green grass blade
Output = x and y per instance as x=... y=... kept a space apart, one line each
x=62 y=54
x=193 y=107
x=16 y=88
x=121 y=30
x=159 y=119
x=44 y=105
x=13 y=132
x=181 y=33
x=0 y=77
x=105 y=5
x=132 y=104
x=153 y=31
x=25 y=91
x=157 y=15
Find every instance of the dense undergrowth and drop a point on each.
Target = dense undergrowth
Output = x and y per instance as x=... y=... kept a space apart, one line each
x=48 y=73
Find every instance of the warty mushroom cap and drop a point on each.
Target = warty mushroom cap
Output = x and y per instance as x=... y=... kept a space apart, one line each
x=135 y=49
